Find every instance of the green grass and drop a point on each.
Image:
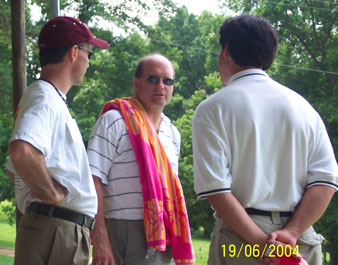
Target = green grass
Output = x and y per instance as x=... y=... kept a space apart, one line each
x=7 y=239
x=201 y=249
x=4 y=260
x=7 y=233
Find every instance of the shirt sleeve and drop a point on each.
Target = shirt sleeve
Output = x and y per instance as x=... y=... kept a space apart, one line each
x=322 y=165
x=211 y=157
x=102 y=145
x=10 y=166
x=35 y=125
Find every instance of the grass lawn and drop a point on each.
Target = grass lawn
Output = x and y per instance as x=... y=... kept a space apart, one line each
x=201 y=248
x=7 y=239
x=7 y=233
x=4 y=260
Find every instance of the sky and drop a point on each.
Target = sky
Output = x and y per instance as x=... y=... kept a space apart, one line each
x=194 y=6
x=197 y=6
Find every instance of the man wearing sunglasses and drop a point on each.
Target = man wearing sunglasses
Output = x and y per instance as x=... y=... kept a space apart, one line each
x=53 y=185
x=133 y=153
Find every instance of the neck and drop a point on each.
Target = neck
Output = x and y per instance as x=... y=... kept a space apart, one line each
x=154 y=115
x=57 y=75
x=155 y=120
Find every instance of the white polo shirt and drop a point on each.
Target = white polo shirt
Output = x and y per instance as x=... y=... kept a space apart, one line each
x=44 y=121
x=261 y=141
x=111 y=157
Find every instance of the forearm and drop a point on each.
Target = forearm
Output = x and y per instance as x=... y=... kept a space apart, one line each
x=312 y=206
x=235 y=216
x=102 y=252
x=100 y=225
x=30 y=165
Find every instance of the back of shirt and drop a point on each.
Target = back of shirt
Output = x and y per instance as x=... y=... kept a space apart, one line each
x=261 y=141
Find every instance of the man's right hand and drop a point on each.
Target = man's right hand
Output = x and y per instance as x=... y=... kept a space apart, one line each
x=58 y=195
x=102 y=253
x=29 y=163
x=284 y=236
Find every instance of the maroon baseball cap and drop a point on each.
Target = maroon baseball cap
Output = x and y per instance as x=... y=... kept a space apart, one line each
x=62 y=31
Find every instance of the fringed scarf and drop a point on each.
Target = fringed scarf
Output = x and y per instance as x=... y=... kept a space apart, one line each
x=165 y=215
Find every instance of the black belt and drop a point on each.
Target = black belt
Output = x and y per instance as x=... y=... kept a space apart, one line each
x=65 y=214
x=266 y=213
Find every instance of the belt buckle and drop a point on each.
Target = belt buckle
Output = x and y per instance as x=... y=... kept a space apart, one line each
x=88 y=224
x=92 y=225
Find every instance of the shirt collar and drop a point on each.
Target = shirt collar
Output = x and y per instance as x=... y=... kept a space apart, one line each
x=247 y=72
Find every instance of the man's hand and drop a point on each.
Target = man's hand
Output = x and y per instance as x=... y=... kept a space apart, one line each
x=29 y=163
x=284 y=237
x=56 y=197
x=102 y=253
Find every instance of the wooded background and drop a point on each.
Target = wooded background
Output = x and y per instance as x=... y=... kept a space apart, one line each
x=306 y=61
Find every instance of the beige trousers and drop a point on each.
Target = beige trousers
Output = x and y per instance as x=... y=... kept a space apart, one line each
x=227 y=248
x=43 y=240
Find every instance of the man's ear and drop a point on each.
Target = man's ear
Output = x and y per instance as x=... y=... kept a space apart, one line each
x=73 y=53
x=136 y=84
x=225 y=52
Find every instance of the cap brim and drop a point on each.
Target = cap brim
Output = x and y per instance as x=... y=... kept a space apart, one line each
x=99 y=43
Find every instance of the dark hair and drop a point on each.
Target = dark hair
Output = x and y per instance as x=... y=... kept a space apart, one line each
x=53 y=55
x=250 y=40
x=142 y=61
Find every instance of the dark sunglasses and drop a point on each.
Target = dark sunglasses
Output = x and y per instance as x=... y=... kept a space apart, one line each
x=81 y=47
x=154 y=79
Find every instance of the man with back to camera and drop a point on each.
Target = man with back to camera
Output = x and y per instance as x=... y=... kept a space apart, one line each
x=133 y=152
x=262 y=156
x=53 y=184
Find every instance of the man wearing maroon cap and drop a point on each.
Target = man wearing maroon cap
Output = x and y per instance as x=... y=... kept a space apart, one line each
x=53 y=184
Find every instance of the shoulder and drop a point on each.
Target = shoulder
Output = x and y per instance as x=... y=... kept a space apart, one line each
x=111 y=119
x=39 y=100
x=211 y=106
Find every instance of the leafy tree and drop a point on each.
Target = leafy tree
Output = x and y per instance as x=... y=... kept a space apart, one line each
x=181 y=32
x=200 y=212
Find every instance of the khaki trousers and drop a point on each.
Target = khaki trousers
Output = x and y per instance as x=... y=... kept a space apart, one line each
x=227 y=248
x=43 y=240
x=127 y=238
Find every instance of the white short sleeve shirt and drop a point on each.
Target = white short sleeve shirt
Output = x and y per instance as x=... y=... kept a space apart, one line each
x=44 y=121
x=261 y=141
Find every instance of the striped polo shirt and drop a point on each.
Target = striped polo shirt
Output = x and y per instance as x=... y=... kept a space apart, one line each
x=111 y=158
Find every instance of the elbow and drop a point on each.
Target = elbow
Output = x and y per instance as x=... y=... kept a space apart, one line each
x=18 y=151
x=14 y=152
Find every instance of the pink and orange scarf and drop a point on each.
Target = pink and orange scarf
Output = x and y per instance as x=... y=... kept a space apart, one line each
x=165 y=215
